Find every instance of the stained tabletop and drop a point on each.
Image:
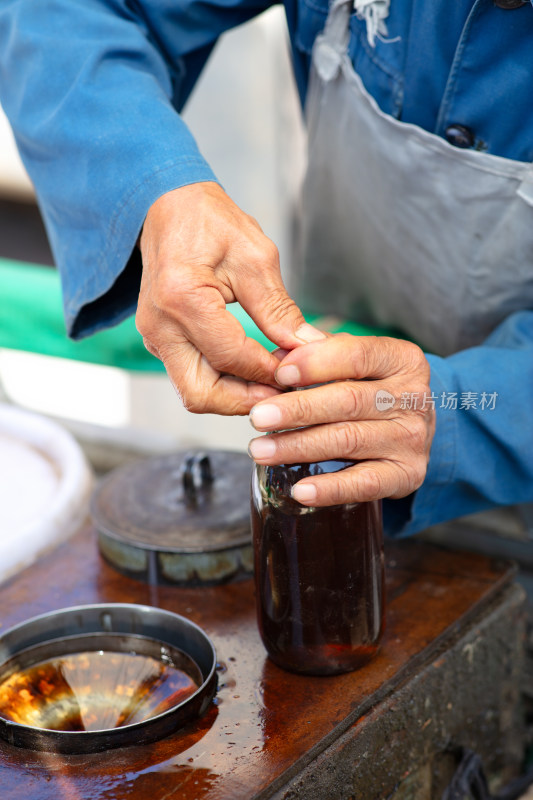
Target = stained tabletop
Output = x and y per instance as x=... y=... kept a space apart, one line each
x=265 y=724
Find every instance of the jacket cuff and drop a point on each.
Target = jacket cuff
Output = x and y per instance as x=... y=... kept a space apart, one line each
x=428 y=504
x=110 y=293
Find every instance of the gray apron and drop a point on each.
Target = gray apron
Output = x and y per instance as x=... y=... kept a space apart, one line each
x=400 y=228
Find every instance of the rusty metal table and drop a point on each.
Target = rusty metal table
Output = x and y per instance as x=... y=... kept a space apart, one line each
x=453 y=634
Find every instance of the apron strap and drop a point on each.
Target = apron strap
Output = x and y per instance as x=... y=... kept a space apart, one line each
x=332 y=44
x=525 y=190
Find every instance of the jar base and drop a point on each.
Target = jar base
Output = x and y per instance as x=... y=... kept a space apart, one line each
x=326 y=660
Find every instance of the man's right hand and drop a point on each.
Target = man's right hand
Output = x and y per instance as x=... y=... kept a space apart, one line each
x=200 y=252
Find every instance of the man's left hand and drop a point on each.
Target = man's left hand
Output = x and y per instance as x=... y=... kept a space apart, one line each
x=377 y=411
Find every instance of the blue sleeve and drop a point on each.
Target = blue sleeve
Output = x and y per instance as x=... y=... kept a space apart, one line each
x=92 y=89
x=482 y=453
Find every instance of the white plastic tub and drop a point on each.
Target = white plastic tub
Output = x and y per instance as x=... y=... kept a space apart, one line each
x=45 y=483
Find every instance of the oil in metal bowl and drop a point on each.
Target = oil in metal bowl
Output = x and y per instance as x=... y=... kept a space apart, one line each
x=92 y=677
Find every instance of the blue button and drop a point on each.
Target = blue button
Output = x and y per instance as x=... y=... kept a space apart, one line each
x=460 y=136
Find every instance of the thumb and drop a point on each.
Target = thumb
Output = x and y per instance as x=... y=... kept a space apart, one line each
x=266 y=300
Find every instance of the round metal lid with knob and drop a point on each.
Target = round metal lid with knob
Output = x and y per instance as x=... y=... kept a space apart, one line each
x=182 y=518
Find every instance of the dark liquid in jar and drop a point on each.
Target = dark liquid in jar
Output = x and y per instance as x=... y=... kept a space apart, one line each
x=319 y=576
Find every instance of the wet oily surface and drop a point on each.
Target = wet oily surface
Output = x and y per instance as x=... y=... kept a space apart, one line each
x=93 y=690
x=265 y=725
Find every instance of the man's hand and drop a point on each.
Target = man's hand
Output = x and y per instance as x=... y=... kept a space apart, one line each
x=348 y=419
x=200 y=252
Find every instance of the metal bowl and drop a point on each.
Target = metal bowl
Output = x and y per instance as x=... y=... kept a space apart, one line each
x=135 y=631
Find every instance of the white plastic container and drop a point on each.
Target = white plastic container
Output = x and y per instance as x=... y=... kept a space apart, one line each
x=45 y=484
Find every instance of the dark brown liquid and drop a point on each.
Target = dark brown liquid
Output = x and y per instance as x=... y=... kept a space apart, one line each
x=93 y=690
x=319 y=577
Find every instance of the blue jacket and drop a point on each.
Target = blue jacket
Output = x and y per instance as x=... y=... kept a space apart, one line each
x=92 y=88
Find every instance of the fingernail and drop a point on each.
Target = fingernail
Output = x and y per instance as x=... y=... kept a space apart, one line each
x=265 y=416
x=262 y=448
x=304 y=492
x=280 y=353
x=307 y=333
x=289 y=375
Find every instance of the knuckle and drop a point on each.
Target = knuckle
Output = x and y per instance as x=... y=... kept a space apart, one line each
x=417 y=434
x=350 y=399
x=371 y=484
x=338 y=489
x=426 y=413
x=360 y=486
x=142 y=323
x=412 y=435
x=252 y=220
x=165 y=294
x=303 y=407
x=263 y=255
x=152 y=349
x=270 y=253
x=279 y=304
x=223 y=359
x=419 y=473
x=415 y=358
x=361 y=348
x=418 y=389
x=346 y=439
x=419 y=395
x=196 y=403
x=290 y=448
x=192 y=397
x=174 y=290
x=414 y=474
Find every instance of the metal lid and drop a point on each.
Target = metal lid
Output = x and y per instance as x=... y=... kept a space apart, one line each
x=188 y=504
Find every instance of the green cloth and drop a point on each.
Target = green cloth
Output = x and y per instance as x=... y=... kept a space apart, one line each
x=31 y=319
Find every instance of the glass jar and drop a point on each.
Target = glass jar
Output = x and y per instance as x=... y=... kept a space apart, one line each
x=319 y=574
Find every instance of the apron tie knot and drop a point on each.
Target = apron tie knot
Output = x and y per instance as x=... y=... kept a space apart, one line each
x=374 y=12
